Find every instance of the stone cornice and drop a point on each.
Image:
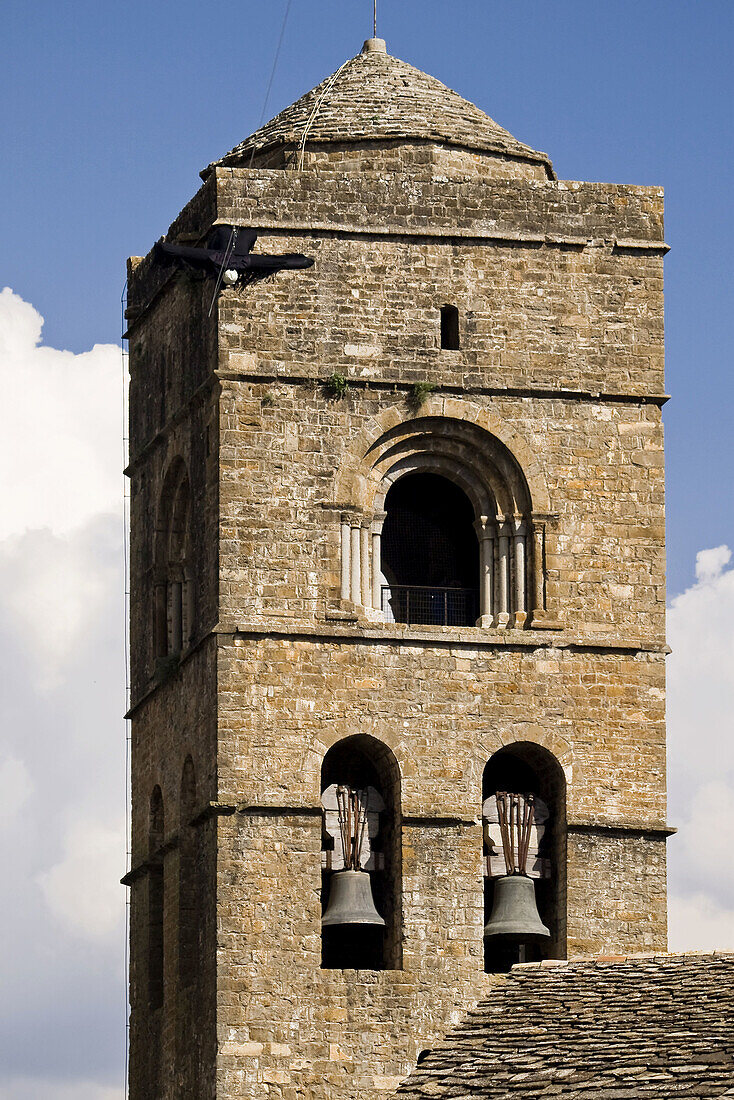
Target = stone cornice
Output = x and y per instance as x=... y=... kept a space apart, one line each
x=447 y=636
x=414 y=821
x=470 y=234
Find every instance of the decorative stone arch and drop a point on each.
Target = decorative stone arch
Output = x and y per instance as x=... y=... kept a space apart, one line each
x=545 y=737
x=353 y=469
x=493 y=466
x=479 y=494
x=173 y=575
x=358 y=761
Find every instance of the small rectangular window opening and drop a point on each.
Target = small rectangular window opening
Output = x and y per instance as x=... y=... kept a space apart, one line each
x=450 y=328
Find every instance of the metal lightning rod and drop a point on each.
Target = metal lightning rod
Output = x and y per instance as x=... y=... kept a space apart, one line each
x=375 y=22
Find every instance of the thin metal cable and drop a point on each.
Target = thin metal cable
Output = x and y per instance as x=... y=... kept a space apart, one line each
x=272 y=73
x=227 y=254
x=126 y=642
x=329 y=85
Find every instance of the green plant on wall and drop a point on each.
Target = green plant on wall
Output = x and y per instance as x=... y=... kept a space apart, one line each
x=336 y=385
x=419 y=394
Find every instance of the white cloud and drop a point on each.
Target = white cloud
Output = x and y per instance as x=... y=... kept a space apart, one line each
x=60 y=426
x=710 y=563
x=35 y=1088
x=83 y=890
x=52 y=587
x=61 y=704
x=701 y=755
x=16 y=787
x=697 y=923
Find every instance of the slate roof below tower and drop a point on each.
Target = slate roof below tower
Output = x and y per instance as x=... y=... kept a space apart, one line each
x=598 y=1029
x=372 y=98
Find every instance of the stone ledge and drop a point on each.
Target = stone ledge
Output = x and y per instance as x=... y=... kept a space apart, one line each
x=472 y=637
x=620 y=827
x=397 y=385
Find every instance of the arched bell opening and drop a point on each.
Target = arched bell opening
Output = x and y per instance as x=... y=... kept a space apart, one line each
x=430 y=553
x=524 y=817
x=361 y=858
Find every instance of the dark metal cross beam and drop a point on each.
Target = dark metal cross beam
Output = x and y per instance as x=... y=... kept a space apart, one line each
x=229 y=247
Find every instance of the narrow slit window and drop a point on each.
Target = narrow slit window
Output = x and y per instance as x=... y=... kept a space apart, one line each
x=450 y=328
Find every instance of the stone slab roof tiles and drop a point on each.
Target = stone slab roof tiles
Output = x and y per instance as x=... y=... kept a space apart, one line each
x=615 y=1029
x=376 y=97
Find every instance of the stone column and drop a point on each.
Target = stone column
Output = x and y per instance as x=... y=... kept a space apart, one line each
x=355 y=576
x=544 y=585
x=519 y=551
x=503 y=580
x=377 y=559
x=485 y=530
x=364 y=552
x=346 y=556
x=175 y=597
x=538 y=585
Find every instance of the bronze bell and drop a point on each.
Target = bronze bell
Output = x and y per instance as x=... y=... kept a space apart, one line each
x=350 y=900
x=514 y=912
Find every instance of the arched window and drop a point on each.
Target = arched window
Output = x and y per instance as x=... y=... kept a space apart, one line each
x=450 y=328
x=443 y=504
x=156 y=832
x=531 y=772
x=174 y=589
x=187 y=899
x=430 y=553
x=360 y=784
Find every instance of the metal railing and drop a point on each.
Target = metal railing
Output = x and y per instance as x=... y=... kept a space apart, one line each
x=422 y=605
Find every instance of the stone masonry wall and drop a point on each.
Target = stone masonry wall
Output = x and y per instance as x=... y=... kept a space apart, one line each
x=397 y=156
x=287 y=1028
x=172 y=1048
x=602 y=463
x=174 y=409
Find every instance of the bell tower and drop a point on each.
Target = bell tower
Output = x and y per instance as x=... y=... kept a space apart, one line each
x=397 y=590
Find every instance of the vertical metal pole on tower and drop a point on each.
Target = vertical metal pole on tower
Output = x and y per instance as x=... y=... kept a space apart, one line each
x=375 y=22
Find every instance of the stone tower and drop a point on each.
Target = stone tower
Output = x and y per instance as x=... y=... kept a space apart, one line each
x=397 y=526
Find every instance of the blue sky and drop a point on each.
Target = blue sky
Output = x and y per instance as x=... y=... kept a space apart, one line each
x=107 y=114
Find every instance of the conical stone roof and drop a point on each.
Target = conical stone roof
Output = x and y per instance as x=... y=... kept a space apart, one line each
x=374 y=97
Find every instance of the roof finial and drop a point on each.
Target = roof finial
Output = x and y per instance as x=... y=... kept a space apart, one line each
x=374 y=44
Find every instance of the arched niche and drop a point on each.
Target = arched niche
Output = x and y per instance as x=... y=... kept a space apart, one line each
x=524 y=767
x=360 y=762
x=173 y=608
